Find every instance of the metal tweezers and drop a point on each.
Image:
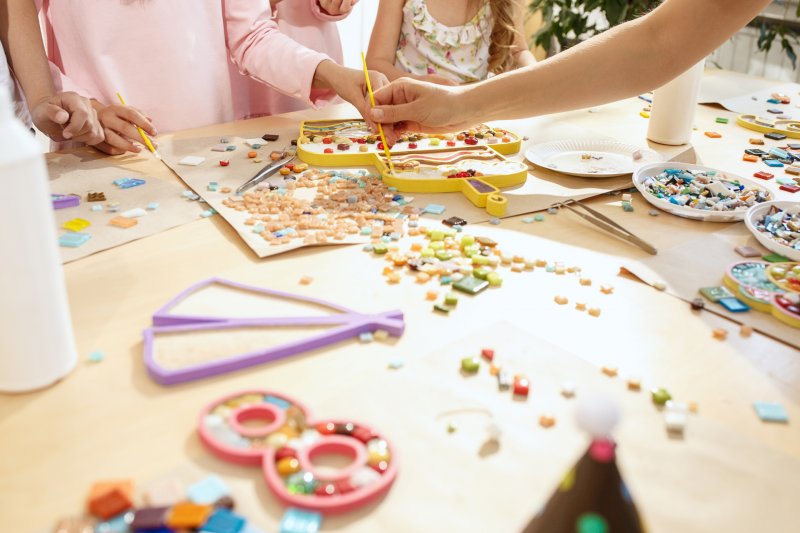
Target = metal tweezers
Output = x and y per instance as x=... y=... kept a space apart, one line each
x=266 y=172
x=605 y=223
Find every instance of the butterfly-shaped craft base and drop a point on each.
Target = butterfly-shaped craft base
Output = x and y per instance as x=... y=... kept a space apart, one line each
x=336 y=324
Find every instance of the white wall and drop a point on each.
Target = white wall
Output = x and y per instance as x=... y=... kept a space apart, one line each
x=741 y=54
x=355 y=31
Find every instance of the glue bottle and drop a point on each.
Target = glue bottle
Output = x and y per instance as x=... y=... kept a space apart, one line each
x=674 y=106
x=37 y=347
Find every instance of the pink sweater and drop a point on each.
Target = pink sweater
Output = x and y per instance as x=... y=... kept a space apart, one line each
x=303 y=21
x=180 y=60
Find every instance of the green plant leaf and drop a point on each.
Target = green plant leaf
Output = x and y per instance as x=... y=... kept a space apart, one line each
x=765 y=38
x=789 y=52
x=615 y=11
x=572 y=17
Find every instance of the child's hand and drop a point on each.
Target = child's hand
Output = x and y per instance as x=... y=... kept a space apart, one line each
x=68 y=115
x=438 y=79
x=118 y=124
x=337 y=7
x=357 y=93
x=350 y=84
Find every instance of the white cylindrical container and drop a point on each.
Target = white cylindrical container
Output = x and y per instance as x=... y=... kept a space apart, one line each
x=674 y=106
x=37 y=347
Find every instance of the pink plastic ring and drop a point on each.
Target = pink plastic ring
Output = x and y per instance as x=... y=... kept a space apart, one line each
x=249 y=453
x=334 y=444
x=271 y=412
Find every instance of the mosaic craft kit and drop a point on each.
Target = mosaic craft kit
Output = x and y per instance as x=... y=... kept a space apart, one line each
x=471 y=161
x=286 y=446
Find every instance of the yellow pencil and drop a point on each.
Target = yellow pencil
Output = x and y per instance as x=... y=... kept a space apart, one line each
x=146 y=140
x=380 y=128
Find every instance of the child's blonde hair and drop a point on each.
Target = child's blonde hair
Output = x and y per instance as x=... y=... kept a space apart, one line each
x=504 y=35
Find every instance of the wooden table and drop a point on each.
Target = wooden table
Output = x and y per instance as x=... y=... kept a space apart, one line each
x=110 y=420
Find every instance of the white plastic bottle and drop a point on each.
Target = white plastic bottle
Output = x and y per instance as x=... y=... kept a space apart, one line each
x=37 y=347
x=674 y=106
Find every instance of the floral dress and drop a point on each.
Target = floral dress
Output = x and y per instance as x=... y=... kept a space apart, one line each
x=428 y=47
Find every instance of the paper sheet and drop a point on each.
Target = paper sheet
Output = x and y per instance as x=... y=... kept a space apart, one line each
x=735 y=93
x=543 y=187
x=240 y=169
x=702 y=263
x=75 y=173
x=712 y=475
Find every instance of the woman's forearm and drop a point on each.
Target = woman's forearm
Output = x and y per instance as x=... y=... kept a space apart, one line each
x=630 y=59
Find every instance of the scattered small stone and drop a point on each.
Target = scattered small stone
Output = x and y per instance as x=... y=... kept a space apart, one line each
x=720 y=333
x=609 y=370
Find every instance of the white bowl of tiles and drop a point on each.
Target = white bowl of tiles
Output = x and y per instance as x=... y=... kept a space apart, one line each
x=707 y=215
x=607 y=158
x=756 y=214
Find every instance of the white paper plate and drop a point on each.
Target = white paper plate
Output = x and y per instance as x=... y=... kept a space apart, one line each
x=565 y=157
x=757 y=212
x=687 y=212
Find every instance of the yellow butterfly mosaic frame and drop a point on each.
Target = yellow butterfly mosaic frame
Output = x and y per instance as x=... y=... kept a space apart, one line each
x=788 y=127
x=420 y=165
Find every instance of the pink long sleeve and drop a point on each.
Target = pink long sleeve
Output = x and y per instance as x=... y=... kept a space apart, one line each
x=261 y=51
x=174 y=59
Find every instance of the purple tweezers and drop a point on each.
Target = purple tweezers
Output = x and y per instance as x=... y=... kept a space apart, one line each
x=350 y=324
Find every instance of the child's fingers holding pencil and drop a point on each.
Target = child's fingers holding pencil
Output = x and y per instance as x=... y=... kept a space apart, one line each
x=137 y=117
x=122 y=120
x=115 y=140
x=107 y=148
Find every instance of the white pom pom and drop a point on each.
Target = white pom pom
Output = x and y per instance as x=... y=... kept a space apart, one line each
x=597 y=414
x=494 y=431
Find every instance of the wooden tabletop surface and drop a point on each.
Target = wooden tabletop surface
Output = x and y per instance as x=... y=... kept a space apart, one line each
x=110 y=420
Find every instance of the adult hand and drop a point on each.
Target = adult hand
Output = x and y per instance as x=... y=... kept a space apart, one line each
x=119 y=123
x=68 y=115
x=410 y=105
x=337 y=7
x=438 y=79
